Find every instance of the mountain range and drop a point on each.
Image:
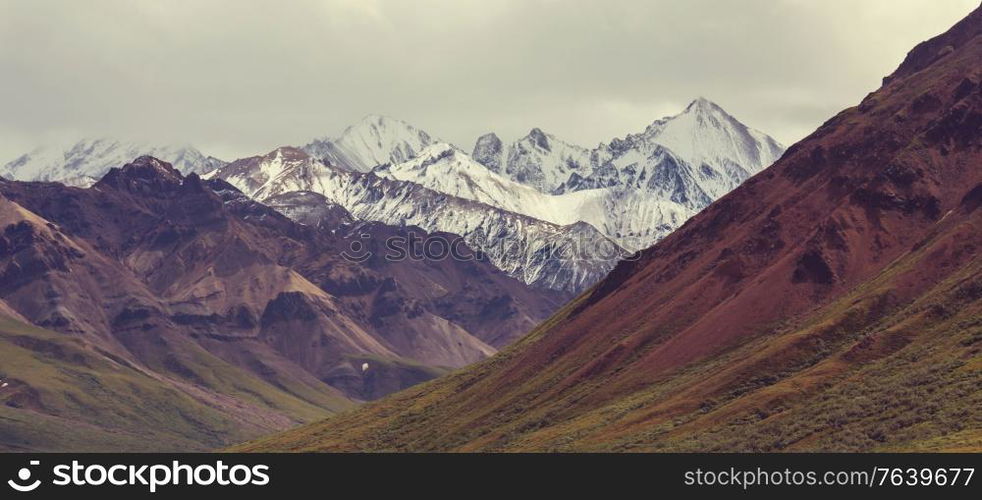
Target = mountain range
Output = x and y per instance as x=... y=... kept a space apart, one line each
x=86 y=161
x=548 y=213
x=832 y=302
x=228 y=298
x=691 y=287
x=375 y=140
x=152 y=290
x=535 y=251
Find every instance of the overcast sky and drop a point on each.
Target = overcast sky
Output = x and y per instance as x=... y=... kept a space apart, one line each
x=239 y=77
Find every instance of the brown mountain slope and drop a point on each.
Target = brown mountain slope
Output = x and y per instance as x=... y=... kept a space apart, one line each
x=470 y=292
x=89 y=388
x=231 y=303
x=63 y=394
x=9 y=312
x=163 y=277
x=830 y=303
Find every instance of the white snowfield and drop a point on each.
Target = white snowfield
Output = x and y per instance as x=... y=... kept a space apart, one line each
x=85 y=162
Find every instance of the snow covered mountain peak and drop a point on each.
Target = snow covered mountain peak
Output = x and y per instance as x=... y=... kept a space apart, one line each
x=704 y=133
x=286 y=153
x=521 y=202
x=257 y=173
x=379 y=127
x=539 y=159
x=702 y=104
x=487 y=151
x=444 y=168
x=372 y=141
x=538 y=138
x=148 y=162
x=375 y=119
x=84 y=162
x=536 y=251
x=691 y=158
x=430 y=155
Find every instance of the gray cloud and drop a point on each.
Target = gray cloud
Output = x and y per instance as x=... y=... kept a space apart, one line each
x=239 y=77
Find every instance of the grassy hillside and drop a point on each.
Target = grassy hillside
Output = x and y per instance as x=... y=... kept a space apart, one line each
x=64 y=395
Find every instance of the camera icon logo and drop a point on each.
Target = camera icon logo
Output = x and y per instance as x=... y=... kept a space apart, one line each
x=24 y=475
